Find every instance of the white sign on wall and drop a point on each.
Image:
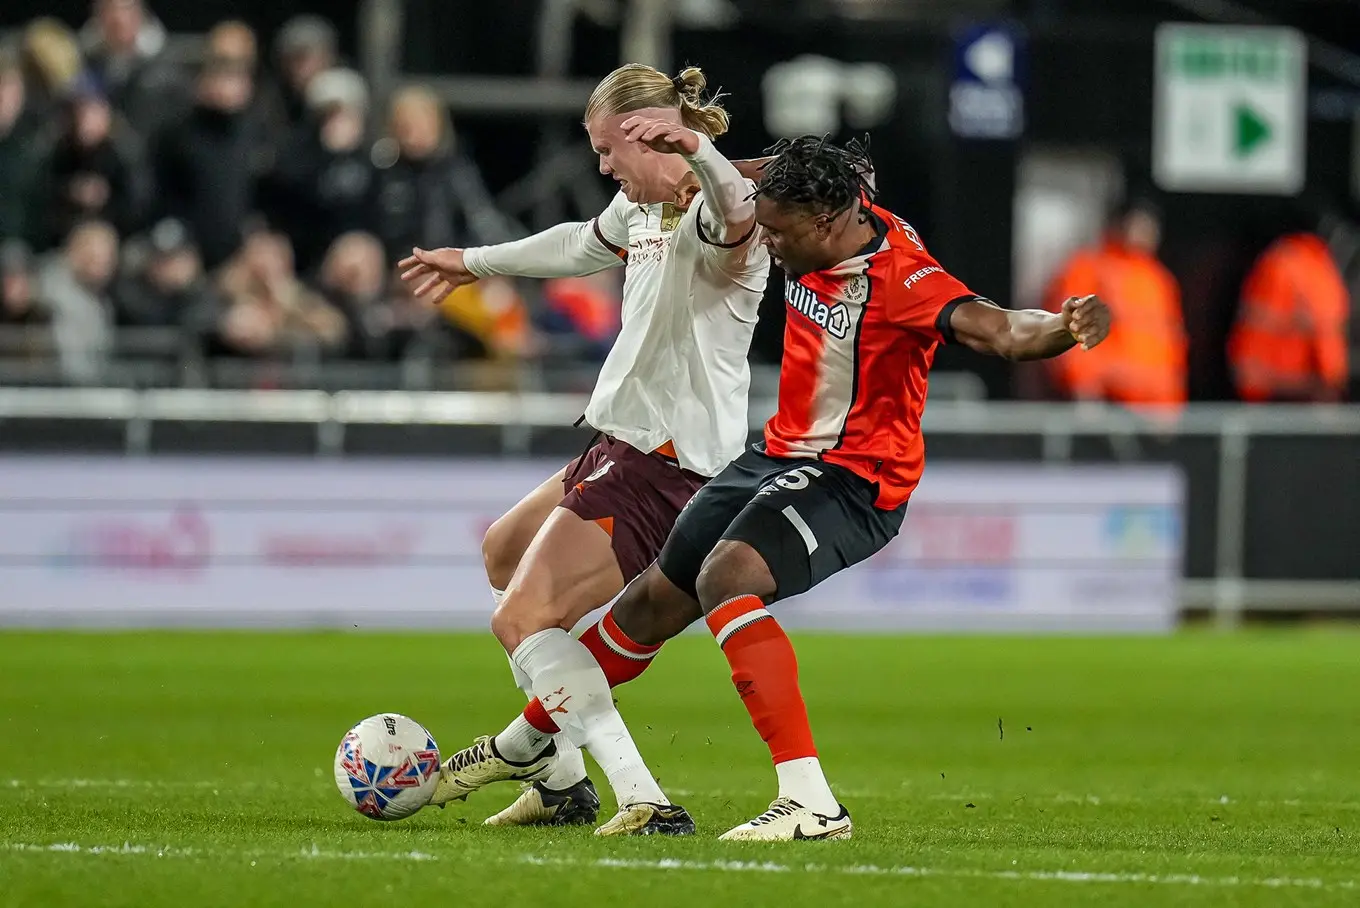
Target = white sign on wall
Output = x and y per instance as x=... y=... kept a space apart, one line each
x=1228 y=115
x=371 y=544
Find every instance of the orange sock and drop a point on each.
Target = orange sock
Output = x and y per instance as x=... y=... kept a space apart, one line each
x=765 y=673
x=620 y=658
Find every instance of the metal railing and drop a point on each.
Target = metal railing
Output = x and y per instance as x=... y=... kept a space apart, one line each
x=1229 y=591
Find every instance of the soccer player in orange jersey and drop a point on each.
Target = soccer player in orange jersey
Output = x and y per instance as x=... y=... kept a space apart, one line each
x=829 y=484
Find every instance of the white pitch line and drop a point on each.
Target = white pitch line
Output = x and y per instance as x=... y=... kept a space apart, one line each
x=314 y=853
x=138 y=784
x=905 y=794
x=1056 y=876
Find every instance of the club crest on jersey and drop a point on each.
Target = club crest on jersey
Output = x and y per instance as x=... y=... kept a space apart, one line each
x=670 y=216
x=833 y=319
x=856 y=289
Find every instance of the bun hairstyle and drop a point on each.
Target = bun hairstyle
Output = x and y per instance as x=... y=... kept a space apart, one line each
x=638 y=86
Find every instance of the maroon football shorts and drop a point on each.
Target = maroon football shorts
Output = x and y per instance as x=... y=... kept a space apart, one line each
x=634 y=497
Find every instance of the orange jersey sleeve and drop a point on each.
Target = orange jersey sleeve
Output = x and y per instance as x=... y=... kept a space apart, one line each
x=916 y=287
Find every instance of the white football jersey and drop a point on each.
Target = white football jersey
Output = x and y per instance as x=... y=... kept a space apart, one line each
x=678 y=370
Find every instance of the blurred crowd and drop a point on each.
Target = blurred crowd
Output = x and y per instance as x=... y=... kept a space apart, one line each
x=248 y=203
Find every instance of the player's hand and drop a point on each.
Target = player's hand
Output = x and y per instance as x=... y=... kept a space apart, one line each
x=435 y=273
x=1087 y=319
x=660 y=135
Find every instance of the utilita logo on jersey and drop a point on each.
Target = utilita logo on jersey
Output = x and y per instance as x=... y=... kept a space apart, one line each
x=181 y=545
x=833 y=319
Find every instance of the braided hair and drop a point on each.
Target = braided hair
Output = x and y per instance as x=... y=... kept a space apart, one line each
x=812 y=173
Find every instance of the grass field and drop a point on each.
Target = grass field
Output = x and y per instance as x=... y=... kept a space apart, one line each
x=170 y=769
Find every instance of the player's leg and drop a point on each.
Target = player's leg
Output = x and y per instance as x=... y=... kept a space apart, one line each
x=654 y=609
x=636 y=498
x=568 y=797
x=656 y=606
x=626 y=504
x=810 y=522
x=568 y=570
x=636 y=501
x=508 y=538
x=503 y=547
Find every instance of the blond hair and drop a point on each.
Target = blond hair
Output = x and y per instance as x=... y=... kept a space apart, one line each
x=638 y=86
x=51 y=50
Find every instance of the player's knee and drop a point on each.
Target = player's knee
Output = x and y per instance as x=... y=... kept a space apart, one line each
x=733 y=569
x=517 y=618
x=500 y=555
x=652 y=610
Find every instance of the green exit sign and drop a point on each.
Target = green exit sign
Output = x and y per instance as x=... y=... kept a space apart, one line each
x=1228 y=115
x=1200 y=58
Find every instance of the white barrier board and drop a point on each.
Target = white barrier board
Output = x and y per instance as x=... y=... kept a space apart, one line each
x=99 y=542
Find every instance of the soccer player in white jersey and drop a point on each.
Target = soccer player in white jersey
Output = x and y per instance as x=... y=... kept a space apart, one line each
x=670 y=403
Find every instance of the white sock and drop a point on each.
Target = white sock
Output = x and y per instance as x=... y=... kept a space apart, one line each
x=521 y=742
x=572 y=686
x=571 y=765
x=802 y=781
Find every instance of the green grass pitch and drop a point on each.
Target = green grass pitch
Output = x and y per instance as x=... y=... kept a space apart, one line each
x=170 y=769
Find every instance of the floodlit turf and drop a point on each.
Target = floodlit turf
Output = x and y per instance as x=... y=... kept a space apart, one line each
x=195 y=769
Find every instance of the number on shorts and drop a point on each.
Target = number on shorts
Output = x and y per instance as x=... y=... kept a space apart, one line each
x=599 y=471
x=793 y=480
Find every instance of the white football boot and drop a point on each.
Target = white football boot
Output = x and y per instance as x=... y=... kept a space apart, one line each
x=481 y=765
x=539 y=805
x=649 y=819
x=788 y=821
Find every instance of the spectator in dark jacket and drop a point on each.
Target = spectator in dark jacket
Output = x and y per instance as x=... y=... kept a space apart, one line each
x=234 y=42
x=18 y=130
x=125 y=44
x=304 y=48
x=92 y=166
x=19 y=303
x=429 y=193
x=354 y=279
x=169 y=288
x=207 y=166
x=22 y=315
x=324 y=182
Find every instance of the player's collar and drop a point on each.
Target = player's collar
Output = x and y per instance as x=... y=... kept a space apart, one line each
x=880 y=234
x=855 y=263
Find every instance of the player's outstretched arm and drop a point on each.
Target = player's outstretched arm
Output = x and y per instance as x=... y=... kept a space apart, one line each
x=729 y=212
x=1030 y=333
x=565 y=250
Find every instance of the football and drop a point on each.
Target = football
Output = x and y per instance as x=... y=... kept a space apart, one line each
x=387 y=766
